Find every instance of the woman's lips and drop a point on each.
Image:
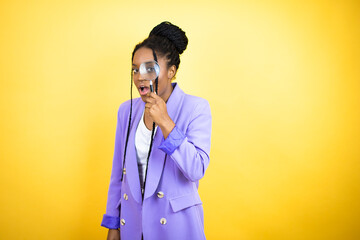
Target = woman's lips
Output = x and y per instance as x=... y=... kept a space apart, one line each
x=144 y=90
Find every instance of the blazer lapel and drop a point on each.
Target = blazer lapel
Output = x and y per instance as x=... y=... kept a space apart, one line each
x=157 y=157
x=132 y=172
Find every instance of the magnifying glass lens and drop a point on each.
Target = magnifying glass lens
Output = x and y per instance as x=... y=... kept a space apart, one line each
x=149 y=70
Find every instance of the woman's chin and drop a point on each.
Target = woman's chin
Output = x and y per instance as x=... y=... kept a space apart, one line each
x=143 y=97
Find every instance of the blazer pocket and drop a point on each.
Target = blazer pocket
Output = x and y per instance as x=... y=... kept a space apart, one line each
x=182 y=202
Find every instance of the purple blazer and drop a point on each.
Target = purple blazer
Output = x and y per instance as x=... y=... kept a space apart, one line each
x=171 y=208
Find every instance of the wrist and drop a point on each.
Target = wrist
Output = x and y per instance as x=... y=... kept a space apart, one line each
x=166 y=127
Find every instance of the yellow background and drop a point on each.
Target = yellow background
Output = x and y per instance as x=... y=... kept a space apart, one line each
x=282 y=79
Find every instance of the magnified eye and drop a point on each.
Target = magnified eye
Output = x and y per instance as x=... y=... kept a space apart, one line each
x=150 y=69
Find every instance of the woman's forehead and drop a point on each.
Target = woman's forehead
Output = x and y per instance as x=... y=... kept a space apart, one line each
x=143 y=55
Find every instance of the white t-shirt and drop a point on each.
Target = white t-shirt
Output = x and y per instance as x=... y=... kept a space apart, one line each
x=142 y=144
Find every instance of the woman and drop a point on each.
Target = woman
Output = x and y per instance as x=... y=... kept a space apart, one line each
x=162 y=147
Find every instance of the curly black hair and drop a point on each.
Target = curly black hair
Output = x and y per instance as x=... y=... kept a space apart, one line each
x=167 y=40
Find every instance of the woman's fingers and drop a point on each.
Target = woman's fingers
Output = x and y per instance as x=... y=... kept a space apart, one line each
x=148 y=105
x=150 y=99
x=156 y=108
x=153 y=95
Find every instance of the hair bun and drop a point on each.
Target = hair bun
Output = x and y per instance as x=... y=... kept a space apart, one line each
x=172 y=32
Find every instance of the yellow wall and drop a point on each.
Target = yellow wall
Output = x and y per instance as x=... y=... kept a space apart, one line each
x=283 y=81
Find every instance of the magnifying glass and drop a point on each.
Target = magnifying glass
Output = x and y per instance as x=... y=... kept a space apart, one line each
x=149 y=71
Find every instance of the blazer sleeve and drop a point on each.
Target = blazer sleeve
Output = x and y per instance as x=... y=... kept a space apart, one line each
x=112 y=219
x=190 y=150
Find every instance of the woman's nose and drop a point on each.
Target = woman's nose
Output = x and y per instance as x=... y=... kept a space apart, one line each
x=141 y=78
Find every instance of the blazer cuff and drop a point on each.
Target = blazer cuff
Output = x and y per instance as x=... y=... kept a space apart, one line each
x=110 y=222
x=173 y=141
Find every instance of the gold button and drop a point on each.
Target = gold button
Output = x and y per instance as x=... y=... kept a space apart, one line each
x=126 y=196
x=160 y=194
x=163 y=221
x=122 y=221
x=124 y=170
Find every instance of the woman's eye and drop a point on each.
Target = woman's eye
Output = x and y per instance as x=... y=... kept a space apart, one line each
x=135 y=71
x=150 y=69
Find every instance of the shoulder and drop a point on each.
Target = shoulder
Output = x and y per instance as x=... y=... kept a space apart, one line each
x=196 y=103
x=191 y=99
x=189 y=104
x=124 y=108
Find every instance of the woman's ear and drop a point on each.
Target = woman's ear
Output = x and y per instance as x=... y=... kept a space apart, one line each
x=171 y=72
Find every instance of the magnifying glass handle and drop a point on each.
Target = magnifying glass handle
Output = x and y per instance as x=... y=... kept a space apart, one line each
x=151 y=86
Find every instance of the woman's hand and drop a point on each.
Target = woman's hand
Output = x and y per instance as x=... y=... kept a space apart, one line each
x=155 y=107
x=113 y=234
